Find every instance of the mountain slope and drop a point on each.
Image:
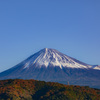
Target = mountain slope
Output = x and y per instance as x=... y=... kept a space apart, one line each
x=52 y=65
x=19 y=89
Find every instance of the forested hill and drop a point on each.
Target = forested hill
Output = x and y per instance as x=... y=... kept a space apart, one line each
x=18 y=89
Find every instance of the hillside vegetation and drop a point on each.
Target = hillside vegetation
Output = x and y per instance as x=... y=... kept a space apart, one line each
x=18 y=89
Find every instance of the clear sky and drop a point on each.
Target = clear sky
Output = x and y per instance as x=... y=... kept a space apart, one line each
x=70 y=26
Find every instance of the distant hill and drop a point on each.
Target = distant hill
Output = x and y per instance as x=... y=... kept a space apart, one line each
x=18 y=89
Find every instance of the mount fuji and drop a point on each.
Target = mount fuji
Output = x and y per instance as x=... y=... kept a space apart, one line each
x=52 y=65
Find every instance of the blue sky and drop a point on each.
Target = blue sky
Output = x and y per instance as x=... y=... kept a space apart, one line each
x=70 y=26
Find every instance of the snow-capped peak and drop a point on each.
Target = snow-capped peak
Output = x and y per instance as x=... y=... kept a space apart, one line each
x=47 y=56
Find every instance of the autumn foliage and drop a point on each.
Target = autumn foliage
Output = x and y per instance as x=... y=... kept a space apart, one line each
x=18 y=89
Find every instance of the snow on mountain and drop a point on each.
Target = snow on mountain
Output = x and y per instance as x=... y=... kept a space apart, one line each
x=46 y=57
x=97 y=67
